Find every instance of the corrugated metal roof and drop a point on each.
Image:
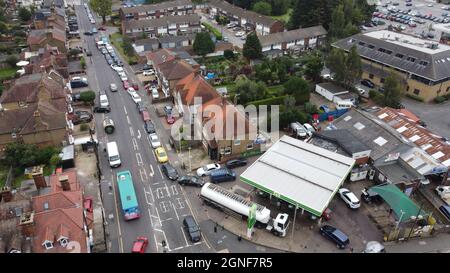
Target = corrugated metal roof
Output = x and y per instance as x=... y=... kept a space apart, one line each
x=301 y=173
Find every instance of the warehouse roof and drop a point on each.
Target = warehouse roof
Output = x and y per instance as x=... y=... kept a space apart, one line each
x=300 y=173
x=345 y=139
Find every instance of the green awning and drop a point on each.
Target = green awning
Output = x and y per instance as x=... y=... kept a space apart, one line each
x=399 y=202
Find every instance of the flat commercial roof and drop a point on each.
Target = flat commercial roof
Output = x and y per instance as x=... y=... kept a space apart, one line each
x=300 y=173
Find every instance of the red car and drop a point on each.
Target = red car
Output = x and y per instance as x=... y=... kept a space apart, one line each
x=102 y=28
x=170 y=119
x=88 y=204
x=126 y=85
x=145 y=115
x=140 y=245
x=135 y=87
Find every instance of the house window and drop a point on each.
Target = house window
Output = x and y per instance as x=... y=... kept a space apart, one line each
x=48 y=245
x=237 y=142
x=448 y=88
x=227 y=150
x=371 y=76
x=250 y=146
x=407 y=88
x=382 y=80
x=63 y=242
x=416 y=91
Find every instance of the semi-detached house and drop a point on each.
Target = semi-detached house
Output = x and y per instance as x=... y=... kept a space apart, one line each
x=169 y=8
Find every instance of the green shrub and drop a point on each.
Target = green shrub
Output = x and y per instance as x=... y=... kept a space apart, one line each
x=83 y=62
x=373 y=93
x=414 y=97
x=270 y=101
x=447 y=97
x=310 y=108
x=439 y=99
x=87 y=96
x=214 y=31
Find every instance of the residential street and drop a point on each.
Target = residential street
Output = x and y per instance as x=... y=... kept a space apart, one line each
x=163 y=203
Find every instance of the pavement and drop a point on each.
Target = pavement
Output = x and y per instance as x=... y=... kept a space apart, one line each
x=438 y=244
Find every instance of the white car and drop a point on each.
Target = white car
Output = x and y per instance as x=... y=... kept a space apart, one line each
x=113 y=87
x=123 y=77
x=206 y=170
x=239 y=34
x=104 y=100
x=135 y=97
x=155 y=94
x=154 y=141
x=328 y=76
x=148 y=72
x=117 y=68
x=430 y=5
x=309 y=128
x=360 y=90
x=349 y=198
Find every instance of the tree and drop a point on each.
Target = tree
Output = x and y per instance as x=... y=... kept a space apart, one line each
x=353 y=68
x=337 y=23
x=127 y=46
x=228 y=54
x=11 y=60
x=392 y=91
x=246 y=4
x=3 y=28
x=313 y=67
x=279 y=7
x=298 y=88
x=87 y=96
x=24 y=14
x=336 y=63
x=263 y=8
x=306 y=13
x=252 y=47
x=203 y=44
x=102 y=7
x=292 y=115
x=248 y=90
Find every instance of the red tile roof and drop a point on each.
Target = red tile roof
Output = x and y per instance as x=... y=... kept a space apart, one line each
x=193 y=86
x=175 y=69
x=73 y=181
x=161 y=56
x=409 y=129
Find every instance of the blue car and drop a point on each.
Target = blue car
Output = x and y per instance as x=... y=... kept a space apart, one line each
x=94 y=30
x=324 y=108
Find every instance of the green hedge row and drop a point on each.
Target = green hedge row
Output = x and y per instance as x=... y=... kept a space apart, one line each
x=270 y=101
x=215 y=31
x=414 y=97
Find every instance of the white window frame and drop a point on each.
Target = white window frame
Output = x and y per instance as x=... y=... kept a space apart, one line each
x=63 y=242
x=227 y=150
x=48 y=245
x=237 y=142
x=250 y=145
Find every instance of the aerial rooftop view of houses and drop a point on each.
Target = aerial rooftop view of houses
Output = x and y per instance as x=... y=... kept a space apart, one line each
x=216 y=126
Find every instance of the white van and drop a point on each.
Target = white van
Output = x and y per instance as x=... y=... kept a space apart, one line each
x=113 y=154
x=104 y=101
x=343 y=105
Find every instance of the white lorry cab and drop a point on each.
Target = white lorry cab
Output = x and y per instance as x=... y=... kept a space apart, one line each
x=113 y=154
x=344 y=105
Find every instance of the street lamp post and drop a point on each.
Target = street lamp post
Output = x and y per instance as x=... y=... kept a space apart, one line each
x=190 y=166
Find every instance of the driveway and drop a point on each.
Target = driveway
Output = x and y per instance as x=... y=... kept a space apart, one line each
x=236 y=41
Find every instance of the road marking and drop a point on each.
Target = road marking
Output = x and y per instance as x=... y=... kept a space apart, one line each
x=152 y=172
x=139 y=158
x=143 y=175
x=167 y=190
x=159 y=218
x=178 y=248
x=117 y=215
x=156 y=242
x=146 y=199
x=151 y=194
x=159 y=193
x=180 y=203
x=174 y=189
x=149 y=214
x=131 y=131
x=125 y=110
x=135 y=145
x=163 y=207
x=139 y=134
x=160 y=172
x=184 y=235
x=168 y=219
x=128 y=120
x=176 y=213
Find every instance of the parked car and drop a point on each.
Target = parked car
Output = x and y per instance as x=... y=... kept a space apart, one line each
x=169 y=171
x=155 y=94
x=102 y=28
x=140 y=245
x=141 y=107
x=206 y=170
x=234 y=163
x=149 y=127
x=222 y=175
x=123 y=78
x=170 y=119
x=368 y=83
x=335 y=235
x=154 y=141
x=100 y=109
x=168 y=109
x=88 y=33
x=239 y=34
x=135 y=86
x=81 y=117
x=113 y=87
x=161 y=155
x=349 y=198
x=148 y=72
x=191 y=180
x=126 y=85
x=94 y=30
x=445 y=209
x=192 y=228
x=145 y=115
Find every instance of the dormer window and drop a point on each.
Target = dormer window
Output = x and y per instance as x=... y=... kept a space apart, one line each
x=48 y=245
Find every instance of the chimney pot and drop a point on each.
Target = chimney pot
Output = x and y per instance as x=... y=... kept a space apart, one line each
x=38 y=177
x=6 y=194
x=64 y=181
x=27 y=224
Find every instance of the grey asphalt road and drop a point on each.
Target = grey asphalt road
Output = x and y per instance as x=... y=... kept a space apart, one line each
x=163 y=203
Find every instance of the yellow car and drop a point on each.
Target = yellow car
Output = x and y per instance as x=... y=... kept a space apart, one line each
x=161 y=155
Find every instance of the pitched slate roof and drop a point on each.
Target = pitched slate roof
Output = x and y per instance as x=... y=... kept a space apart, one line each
x=175 y=70
x=429 y=62
x=161 y=56
x=292 y=35
x=155 y=7
x=162 y=21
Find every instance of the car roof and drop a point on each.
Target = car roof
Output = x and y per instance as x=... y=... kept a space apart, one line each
x=350 y=195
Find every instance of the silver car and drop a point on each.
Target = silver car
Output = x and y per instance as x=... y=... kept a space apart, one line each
x=113 y=87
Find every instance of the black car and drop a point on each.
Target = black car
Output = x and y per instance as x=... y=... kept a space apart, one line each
x=234 y=163
x=191 y=180
x=149 y=127
x=169 y=171
x=192 y=228
x=445 y=209
x=88 y=53
x=337 y=236
x=368 y=83
x=81 y=117
x=119 y=63
x=100 y=109
x=168 y=109
x=109 y=61
x=88 y=33
x=76 y=97
x=141 y=107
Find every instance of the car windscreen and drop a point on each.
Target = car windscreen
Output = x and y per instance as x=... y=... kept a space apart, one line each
x=114 y=158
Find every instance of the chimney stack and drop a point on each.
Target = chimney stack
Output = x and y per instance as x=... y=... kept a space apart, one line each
x=27 y=224
x=64 y=181
x=39 y=179
x=6 y=194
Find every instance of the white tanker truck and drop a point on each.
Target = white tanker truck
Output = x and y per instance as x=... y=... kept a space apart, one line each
x=229 y=202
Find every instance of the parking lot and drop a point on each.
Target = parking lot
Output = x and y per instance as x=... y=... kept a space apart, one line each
x=229 y=34
x=410 y=16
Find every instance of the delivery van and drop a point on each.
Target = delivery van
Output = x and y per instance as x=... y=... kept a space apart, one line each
x=113 y=154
